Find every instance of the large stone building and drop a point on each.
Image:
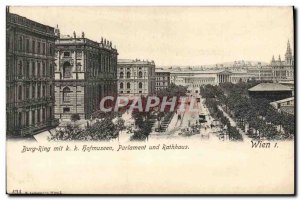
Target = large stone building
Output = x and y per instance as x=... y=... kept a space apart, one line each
x=136 y=77
x=194 y=79
x=29 y=76
x=283 y=70
x=162 y=78
x=261 y=73
x=85 y=72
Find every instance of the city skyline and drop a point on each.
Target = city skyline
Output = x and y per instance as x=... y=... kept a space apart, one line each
x=258 y=35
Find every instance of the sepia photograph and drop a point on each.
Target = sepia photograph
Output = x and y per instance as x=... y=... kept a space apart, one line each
x=150 y=100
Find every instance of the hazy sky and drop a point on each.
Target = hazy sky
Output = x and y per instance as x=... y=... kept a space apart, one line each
x=177 y=35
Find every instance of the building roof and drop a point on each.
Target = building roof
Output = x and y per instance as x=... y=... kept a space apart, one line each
x=136 y=61
x=29 y=24
x=269 y=87
x=284 y=100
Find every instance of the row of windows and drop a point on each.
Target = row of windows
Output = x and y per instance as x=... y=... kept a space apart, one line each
x=128 y=85
x=31 y=91
x=161 y=83
x=128 y=92
x=206 y=80
x=31 y=46
x=33 y=68
x=32 y=117
x=162 y=78
x=128 y=74
x=159 y=88
x=121 y=68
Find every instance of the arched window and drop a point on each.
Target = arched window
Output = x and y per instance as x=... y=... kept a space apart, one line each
x=140 y=85
x=66 y=94
x=128 y=85
x=128 y=75
x=140 y=74
x=67 y=70
x=121 y=75
x=121 y=85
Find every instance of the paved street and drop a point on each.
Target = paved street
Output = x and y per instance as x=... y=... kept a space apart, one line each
x=177 y=126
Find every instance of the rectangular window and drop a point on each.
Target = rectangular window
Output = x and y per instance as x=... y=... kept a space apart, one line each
x=50 y=112
x=44 y=114
x=44 y=69
x=27 y=92
x=27 y=69
x=66 y=110
x=33 y=46
x=38 y=47
x=38 y=115
x=44 y=91
x=43 y=48
x=27 y=118
x=33 y=92
x=38 y=69
x=33 y=117
x=20 y=92
x=33 y=69
x=38 y=91
x=20 y=119
x=66 y=54
x=50 y=90
x=27 y=46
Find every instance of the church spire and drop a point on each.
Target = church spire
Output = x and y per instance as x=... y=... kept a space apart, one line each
x=288 y=54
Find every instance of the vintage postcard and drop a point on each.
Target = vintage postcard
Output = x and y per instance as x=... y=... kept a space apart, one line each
x=150 y=100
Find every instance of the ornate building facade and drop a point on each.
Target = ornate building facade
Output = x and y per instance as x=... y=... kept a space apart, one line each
x=283 y=70
x=29 y=76
x=85 y=72
x=136 y=77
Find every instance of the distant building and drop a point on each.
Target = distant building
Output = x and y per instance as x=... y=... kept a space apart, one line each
x=285 y=105
x=29 y=76
x=136 y=77
x=162 y=78
x=283 y=70
x=194 y=79
x=270 y=91
x=86 y=71
x=261 y=73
